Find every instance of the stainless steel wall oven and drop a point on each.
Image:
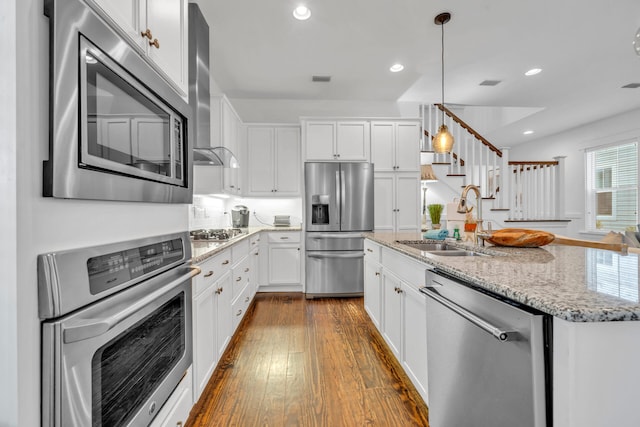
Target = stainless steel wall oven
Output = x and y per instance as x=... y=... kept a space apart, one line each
x=116 y=330
x=118 y=131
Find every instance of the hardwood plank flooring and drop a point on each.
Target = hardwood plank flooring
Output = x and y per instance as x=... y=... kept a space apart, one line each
x=298 y=362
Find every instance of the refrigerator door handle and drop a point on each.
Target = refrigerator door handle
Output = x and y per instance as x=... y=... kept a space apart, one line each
x=328 y=255
x=343 y=198
x=497 y=332
x=338 y=197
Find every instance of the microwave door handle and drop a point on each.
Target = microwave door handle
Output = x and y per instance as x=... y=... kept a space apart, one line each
x=92 y=328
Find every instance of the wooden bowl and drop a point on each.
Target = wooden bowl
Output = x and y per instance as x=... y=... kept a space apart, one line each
x=518 y=237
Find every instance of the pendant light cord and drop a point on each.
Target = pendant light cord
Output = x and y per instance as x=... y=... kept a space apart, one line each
x=442 y=70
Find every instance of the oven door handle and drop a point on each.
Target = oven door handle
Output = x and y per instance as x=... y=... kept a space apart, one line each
x=96 y=327
x=330 y=255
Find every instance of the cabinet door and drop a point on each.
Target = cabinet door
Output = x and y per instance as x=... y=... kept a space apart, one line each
x=287 y=161
x=407 y=143
x=382 y=146
x=352 y=141
x=284 y=264
x=229 y=127
x=205 y=353
x=372 y=291
x=167 y=20
x=223 y=313
x=320 y=140
x=260 y=161
x=392 y=312
x=407 y=191
x=384 y=202
x=414 y=351
x=126 y=14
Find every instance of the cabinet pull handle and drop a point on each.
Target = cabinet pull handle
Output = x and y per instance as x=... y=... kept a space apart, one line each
x=284 y=238
x=155 y=43
x=369 y=250
x=377 y=273
x=239 y=313
x=209 y=274
x=246 y=270
x=179 y=424
x=239 y=278
x=247 y=299
x=257 y=253
x=146 y=34
x=225 y=262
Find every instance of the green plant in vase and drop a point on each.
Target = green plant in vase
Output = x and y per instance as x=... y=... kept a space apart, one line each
x=435 y=211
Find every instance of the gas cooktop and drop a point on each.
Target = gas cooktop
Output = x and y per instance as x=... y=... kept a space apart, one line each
x=215 y=235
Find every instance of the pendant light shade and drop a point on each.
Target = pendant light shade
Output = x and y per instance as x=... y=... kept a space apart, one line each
x=443 y=141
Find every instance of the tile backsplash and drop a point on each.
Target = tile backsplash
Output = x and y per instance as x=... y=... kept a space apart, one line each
x=215 y=212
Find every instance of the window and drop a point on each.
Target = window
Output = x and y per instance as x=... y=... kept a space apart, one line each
x=612 y=187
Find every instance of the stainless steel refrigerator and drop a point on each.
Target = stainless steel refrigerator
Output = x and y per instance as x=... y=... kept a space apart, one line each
x=338 y=208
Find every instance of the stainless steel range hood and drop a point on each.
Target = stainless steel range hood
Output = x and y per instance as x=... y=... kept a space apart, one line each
x=215 y=156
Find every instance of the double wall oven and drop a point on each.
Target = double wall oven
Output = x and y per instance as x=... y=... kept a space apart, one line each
x=118 y=131
x=116 y=330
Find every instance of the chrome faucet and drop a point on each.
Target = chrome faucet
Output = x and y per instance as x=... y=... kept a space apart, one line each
x=462 y=207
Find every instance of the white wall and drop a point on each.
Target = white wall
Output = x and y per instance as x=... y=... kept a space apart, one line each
x=572 y=144
x=8 y=242
x=44 y=224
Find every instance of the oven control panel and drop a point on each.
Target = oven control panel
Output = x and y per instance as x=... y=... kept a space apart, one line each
x=113 y=269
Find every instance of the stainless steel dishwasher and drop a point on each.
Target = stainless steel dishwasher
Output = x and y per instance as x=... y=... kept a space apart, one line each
x=487 y=358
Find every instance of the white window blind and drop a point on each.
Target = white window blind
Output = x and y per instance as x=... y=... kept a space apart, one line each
x=612 y=187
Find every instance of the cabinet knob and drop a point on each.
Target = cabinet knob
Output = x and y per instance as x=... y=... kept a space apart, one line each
x=209 y=274
x=146 y=34
x=377 y=273
x=155 y=43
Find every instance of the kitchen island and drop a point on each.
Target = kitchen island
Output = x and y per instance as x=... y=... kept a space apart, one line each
x=593 y=298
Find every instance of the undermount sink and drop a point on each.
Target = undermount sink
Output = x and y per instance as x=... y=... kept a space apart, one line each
x=439 y=249
x=427 y=246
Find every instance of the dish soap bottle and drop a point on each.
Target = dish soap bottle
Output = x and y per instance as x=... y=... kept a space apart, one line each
x=456 y=232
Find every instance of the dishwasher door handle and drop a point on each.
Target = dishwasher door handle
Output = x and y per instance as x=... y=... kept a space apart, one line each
x=328 y=255
x=498 y=333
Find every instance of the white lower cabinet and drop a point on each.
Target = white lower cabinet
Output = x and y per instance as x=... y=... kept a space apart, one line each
x=403 y=323
x=372 y=291
x=176 y=410
x=282 y=263
x=254 y=264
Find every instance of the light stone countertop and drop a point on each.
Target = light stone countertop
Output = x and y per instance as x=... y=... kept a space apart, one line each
x=201 y=250
x=572 y=283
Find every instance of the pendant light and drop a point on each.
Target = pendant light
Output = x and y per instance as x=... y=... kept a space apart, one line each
x=443 y=141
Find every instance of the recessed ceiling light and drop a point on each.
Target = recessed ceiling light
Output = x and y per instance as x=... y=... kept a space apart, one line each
x=301 y=13
x=396 y=68
x=533 y=72
x=527 y=132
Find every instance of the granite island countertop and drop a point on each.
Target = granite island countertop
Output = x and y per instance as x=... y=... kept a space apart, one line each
x=204 y=249
x=572 y=283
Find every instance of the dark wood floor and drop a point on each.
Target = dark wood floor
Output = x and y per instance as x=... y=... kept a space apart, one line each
x=298 y=362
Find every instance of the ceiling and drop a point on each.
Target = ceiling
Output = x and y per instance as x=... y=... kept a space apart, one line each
x=259 y=51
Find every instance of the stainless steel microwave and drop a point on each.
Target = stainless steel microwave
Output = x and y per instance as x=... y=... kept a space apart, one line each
x=118 y=131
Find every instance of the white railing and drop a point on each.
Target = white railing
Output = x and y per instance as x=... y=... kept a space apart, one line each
x=529 y=190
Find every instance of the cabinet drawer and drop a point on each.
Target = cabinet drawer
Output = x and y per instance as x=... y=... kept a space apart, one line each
x=371 y=251
x=284 y=237
x=239 y=250
x=212 y=269
x=240 y=276
x=407 y=269
x=240 y=305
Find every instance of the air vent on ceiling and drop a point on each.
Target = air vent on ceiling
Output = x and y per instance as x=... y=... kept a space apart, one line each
x=321 y=79
x=631 y=86
x=490 y=82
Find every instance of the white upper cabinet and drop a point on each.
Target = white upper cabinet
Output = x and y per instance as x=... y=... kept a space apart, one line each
x=273 y=160
x=397 y=202
x=395 y=145
x=159 y=29
x=337 y=140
